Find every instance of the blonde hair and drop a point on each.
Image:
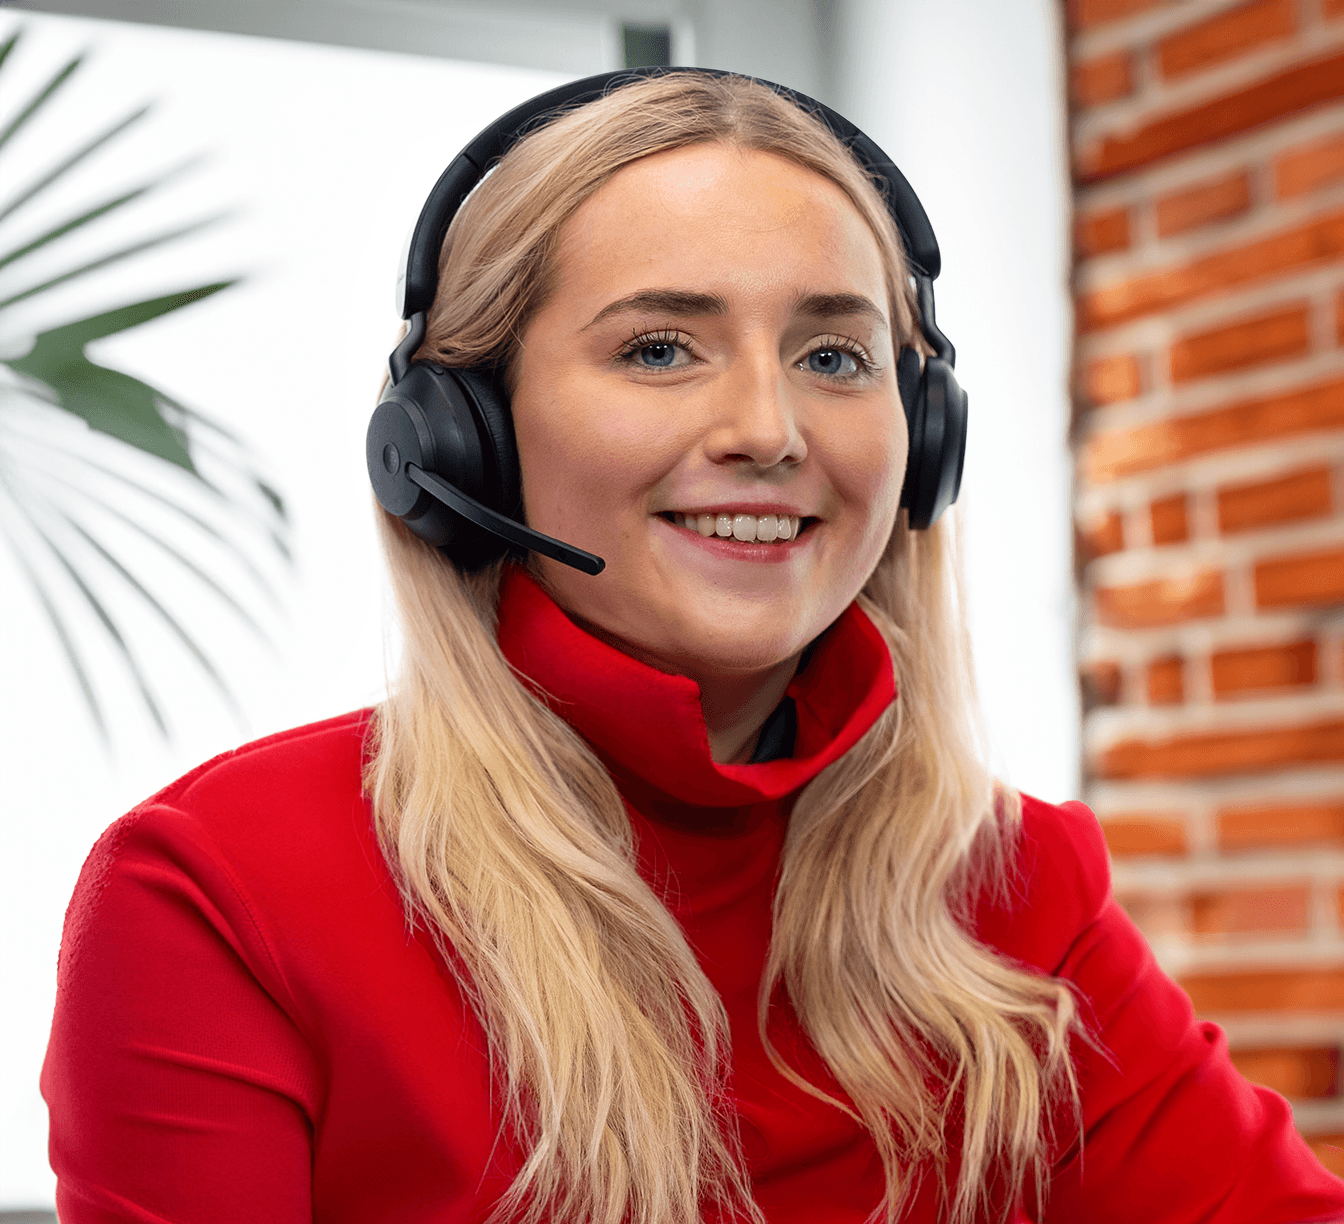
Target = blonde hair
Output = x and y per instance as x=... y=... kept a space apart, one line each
x=511 y=844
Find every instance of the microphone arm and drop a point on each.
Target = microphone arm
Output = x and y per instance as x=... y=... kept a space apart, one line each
x=495 y=523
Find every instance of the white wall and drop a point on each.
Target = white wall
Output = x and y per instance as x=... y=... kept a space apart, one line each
x=966 y=96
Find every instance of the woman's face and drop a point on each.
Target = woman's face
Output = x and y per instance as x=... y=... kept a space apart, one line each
x=715 y=349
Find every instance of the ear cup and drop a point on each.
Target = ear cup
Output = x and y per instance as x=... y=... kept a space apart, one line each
x=909 y=369
x=450 y=423
x=935 y=411
x=484 y=389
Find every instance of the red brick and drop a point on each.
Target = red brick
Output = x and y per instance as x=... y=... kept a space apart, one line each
x=1086 y=14
x=1277 y=990
x=1236 y=911
x=1145 y=833
x=1254 y=828
x=1169 y=521
x=1241 y=345
x=1268 y=100
x=1329 y=1149
x=1100 y=233
x=1123 y=452
x=1267 y=667
x=1307 y=578
x=1166 y=681
x=1206 y=202
x=1317 y=241
x=1108 y=380
x=1100 y=536
x=1202 y=754
x=1309 y=166
x=1285 y=499
x=1103 y=79
x=1100 y=683
x=1164 y=602
x=1156 y=914
x=1292 y=1071
x=1231 y=33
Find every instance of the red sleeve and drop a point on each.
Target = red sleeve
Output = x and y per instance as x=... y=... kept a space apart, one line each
x=172 y=1045
x=1172 y=1133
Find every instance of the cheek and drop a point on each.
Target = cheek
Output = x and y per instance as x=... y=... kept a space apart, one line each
x=869 y=469
x=584 y=455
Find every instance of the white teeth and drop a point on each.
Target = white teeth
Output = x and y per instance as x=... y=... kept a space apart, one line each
x=747 y=528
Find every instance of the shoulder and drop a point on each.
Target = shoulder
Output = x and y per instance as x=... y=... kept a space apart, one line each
x=308 y=761
x=1057 y=884
x=289 y=806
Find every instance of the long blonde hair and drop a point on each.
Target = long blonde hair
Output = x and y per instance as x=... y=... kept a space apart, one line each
x=510 y=843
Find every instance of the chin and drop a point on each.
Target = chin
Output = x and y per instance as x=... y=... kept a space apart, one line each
x=728 y=657
x=761 y=639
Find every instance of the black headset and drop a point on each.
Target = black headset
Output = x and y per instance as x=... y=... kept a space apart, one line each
x=440 y=447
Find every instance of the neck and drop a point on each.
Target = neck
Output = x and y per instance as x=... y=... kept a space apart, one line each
x=646 y=719
x=736 y=707
x=735 y=704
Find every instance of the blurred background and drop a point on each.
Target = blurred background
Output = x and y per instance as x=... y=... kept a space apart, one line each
x=1141 y=210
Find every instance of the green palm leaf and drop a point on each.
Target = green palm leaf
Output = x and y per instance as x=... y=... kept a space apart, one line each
x=57 y=172
x=69 y=227
x=69 y=425
x=105 y=261
x=110 y=401
x=39 y=99
x=74 y=481
x=63 y=634
x=105 y=618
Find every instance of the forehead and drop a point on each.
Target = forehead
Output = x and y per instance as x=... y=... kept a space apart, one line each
x=715 y=213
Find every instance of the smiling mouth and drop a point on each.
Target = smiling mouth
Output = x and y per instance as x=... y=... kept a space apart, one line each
x=745 y=528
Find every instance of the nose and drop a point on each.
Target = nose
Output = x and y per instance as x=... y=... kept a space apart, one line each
x=756 y=419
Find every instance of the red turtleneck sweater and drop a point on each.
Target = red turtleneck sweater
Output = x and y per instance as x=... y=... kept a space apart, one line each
x=245 y=1031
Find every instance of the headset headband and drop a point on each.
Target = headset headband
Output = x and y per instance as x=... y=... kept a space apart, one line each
x=420 y=281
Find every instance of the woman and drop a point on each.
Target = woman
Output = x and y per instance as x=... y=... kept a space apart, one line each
x=672 y=892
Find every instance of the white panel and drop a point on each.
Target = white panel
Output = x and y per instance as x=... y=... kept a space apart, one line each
x=967 y=97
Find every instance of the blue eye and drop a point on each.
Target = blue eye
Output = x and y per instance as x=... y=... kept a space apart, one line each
x=657 y=350
x=832 y=362
x=658 y=355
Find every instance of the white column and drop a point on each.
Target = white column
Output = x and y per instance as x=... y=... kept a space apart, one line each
x=968 y=98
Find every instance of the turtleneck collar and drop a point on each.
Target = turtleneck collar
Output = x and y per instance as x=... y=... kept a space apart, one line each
x=648 y=725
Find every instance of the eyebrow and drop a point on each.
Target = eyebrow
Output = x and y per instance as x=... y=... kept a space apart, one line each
x=664 y=301
x=687 y=302
x=832 y=305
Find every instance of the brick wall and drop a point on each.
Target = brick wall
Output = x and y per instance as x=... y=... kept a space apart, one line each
x=1208 y=157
